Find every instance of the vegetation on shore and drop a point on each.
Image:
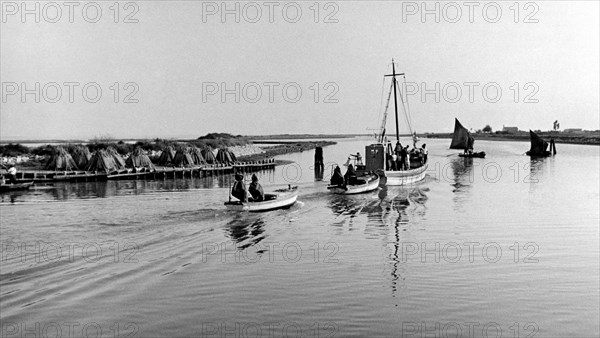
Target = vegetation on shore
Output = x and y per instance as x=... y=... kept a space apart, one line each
x=213 y=140
x=39 y=155
x=289 y=147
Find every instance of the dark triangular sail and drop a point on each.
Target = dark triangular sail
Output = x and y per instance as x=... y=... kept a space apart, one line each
x=461 y=138
x=538 y=145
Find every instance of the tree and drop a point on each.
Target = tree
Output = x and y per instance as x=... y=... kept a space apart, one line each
x=487 y=129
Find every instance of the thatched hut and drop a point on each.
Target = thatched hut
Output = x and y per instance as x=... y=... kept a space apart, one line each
x=209 y=156
x=197 y=157
x=101 y=161
x=166 y=157
x=183 y=159
x=139 y=159
x=81 y=155
x=119 y=161
x=61 y=160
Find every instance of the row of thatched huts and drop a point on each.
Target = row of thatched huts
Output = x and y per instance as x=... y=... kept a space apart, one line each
x=109 y=159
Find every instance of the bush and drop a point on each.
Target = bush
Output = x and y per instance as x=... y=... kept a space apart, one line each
x=46 y=150
x=487 y=129
x=14 y=149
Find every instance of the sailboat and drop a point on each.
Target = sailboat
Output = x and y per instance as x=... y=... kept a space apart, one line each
x=462 y=139
x=378 y=155
x=539 y=146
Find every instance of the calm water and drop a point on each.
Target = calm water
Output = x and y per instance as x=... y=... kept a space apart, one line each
x=482 y=247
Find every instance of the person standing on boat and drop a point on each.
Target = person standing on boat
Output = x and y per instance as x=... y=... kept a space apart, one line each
x=239 y=188
x=256 y=190
x=394 y=160
x=12 y=174
x=403 y=156
x=398 y=148
x=337 y=178
x=424 y=152
x=389 y=154
x=407 y=158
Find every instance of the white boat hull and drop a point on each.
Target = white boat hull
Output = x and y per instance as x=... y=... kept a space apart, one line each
x=283 y=200
x=404 y=177
x=355 y=189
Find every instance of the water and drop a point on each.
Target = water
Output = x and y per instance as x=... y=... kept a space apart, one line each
x=481 y=247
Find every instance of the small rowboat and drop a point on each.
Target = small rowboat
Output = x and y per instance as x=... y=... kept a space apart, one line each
x=16 y=186
x=364 y=184
x=279 y=199
x=480 y=154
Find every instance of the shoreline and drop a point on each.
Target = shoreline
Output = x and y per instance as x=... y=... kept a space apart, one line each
x=593 y=140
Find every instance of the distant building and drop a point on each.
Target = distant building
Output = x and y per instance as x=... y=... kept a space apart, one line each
x=573 y=130
x=510 y=130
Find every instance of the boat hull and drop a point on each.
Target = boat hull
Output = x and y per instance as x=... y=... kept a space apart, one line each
x=17 y=186
x=284 y=199
x=370 y=185
x=480 y=154
x=404 y=177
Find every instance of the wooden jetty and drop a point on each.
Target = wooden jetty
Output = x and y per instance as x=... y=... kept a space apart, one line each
x=39 y=176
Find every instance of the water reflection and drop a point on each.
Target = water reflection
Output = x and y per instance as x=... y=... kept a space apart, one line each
x=12 y=196
x=319 y=171
x=389 y=217
x=462 y=170
x=245 y=230
x=537 y=167
x=391 y=207
x=462 y=179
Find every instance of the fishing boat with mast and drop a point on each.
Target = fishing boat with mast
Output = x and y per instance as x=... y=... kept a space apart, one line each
x=378 y=156
x=539 y=146
x=462 y=139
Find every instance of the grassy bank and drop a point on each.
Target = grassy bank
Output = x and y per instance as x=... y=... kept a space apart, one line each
x=287 y=148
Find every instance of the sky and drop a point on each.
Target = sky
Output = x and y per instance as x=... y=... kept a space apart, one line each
x=146 y=69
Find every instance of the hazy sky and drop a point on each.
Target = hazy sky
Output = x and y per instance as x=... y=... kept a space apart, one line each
x=179 y=57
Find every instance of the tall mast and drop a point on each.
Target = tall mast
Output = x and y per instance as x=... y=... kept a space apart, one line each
x=393 y=75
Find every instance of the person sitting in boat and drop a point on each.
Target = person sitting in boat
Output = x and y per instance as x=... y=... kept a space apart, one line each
x=12 y=174
x=350 y=176
x=337 y=178
x=256 y=190
x=348 y=161
x=239 y=188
